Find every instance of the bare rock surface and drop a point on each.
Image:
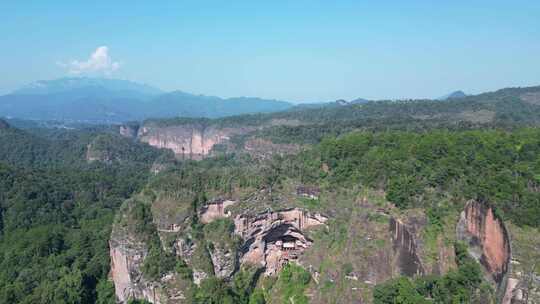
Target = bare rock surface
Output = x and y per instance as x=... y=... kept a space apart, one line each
x=188 y=141
x=215 y=210
x=272 y=239
x=488 y=241
x=224 y=261
x=129 y=130
x=405 y=247
x=126 y=263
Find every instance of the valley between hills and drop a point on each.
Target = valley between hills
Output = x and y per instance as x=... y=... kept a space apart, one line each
x=411 y=201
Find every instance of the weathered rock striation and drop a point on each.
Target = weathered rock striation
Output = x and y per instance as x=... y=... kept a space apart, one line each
x=126 y=262
x=407 y=260
x=488 y=241
x=197 y=139
x=191 y=141
x=267 y=240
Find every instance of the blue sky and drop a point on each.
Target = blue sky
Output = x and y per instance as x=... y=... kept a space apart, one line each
x=295 y=50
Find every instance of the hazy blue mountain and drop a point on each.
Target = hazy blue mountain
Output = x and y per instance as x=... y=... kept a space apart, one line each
x=96 y=106
x=189 y=105
x=96 y=100
x=453 y=95
x=85 y=86
x=336 y=103
x=358 y=101
x=343 y=102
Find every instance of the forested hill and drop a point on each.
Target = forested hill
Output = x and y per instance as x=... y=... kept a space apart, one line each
x=56 y=210
x=102 y=101
x=73 y=200
x=505 y=108
x=49 y=148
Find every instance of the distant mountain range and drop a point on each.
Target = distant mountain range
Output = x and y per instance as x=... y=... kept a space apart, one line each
x=101 y=100
x=83 y=85
x=453 y=95
x=98 y=100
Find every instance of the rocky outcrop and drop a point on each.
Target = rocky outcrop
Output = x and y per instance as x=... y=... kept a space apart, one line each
x=189 y=141
x=195 y=139
x=126 y=263
x=129 y=130
x=224 y=261
x=272 y=239
x=215 y=210
x=407 y=260
x=488 y=241
x=267 y=240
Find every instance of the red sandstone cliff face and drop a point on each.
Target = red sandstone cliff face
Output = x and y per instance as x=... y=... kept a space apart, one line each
x=190 y=140
x=269 y=240
x=196 y=140
x=488 y=240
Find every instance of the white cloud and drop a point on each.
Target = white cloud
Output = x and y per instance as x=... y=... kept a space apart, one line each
x=99 y=62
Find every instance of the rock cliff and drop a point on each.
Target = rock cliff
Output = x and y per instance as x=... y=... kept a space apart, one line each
x=189 y=141
x=129 y=130
x=266 y=240
x=488 y=241
x=405 y=246
x=128 y=250
x=126 y=263
x=272 y=239
x=377 y=244
x=215 y=210
x=199 y=138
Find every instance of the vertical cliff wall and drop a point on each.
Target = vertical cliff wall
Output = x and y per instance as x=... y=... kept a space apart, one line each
x=268 y=240
x=488 y=240
x=404 y=244
x=189 y=140
x=126 y=263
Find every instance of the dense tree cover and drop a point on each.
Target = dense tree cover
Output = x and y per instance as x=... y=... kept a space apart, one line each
x=56 y=225
x=114 y=148
x=47 y=148
x=214 y=174
x=502 y=109
x=56 y=209
x=289 y=287
x=500 y=167
x=56 y=212
x=463 y=285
